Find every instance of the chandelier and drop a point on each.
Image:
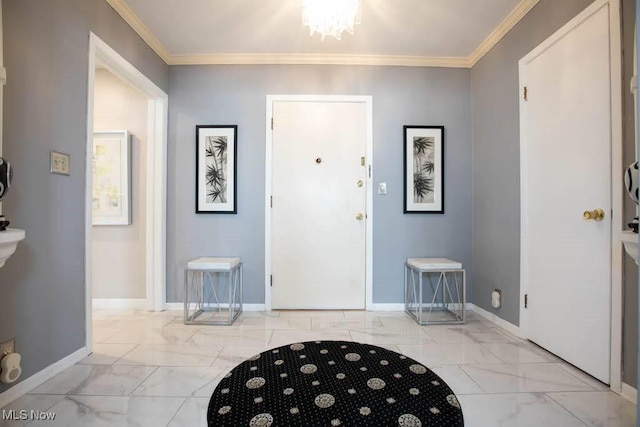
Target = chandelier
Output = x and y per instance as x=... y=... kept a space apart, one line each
x=330 y=17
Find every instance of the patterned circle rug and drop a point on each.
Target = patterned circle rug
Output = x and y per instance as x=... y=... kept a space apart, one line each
x=332 y=383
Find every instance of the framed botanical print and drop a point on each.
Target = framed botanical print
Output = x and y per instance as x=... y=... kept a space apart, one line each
x=216 y=149
x=424 y=169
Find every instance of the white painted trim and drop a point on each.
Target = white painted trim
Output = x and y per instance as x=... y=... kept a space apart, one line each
x=139 y=27
x=41 y=377
x=179 y=306
x=119 y=303
x=617 y=192
x=156 y=203
x=88 y=215
x=369 y=208
x=516 y=15
x=629 y=393
x=368 y=101
x=524 y=207
x=617 y=251
x=507 y=326
x=318 y=59
x=156 y=176
x=268 y=185
x=386 y=307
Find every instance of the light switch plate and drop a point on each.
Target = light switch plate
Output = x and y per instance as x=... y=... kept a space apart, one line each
x=382 y=188
x=60 y=163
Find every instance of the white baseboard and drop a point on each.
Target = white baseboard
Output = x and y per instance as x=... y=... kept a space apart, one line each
x=629 y=393
x=119 y=304
x=507 y=326
x=246 y=307
x=387 y=307
x=41 y=377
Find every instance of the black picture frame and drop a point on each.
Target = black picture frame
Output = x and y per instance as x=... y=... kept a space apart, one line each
x=216 y=169
x=423 y=169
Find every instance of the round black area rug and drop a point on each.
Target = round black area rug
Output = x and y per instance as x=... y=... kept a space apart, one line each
x=332 y=383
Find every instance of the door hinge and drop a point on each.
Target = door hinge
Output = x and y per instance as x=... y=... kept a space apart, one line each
x=525 y=95
x=271 y=201
x=526 y=300
x=271 y=123
x=271 y=280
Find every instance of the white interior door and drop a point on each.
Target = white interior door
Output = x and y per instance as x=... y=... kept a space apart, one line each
x=566 y=130
x=319 y=193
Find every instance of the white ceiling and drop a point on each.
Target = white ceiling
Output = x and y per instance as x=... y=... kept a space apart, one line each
x=422 y=28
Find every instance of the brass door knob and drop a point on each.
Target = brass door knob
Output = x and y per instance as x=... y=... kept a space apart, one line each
x=596 y=215
x=359 y=217
x=360 y=183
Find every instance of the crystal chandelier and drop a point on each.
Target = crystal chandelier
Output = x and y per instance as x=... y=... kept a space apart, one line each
x=330 y=17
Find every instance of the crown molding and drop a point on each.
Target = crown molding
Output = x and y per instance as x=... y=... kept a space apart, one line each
x=501 y=30
x=138 y=26
x=318 y=59
x=492 y=39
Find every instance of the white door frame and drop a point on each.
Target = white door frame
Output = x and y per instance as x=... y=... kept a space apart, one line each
x=616 y=178
x=368 y=102
x=156 y=160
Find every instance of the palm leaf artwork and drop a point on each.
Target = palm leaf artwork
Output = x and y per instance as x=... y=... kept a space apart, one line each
x=423 y=169
x=209 y=151
x=220 y=147
x=422 y=186
x=214 y=177
x=428 y=167
x=422 y=144
x=216 y=162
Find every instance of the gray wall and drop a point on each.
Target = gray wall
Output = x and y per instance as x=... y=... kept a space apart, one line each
x=119 y=251
x=496 y=156
x=203 y=95
x=46 y=47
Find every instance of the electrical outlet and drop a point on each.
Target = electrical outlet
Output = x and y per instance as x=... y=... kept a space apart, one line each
x=7 y=347
x=496 y=298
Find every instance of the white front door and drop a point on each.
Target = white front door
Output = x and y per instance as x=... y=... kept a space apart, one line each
x=566 y=131
x=318 y=211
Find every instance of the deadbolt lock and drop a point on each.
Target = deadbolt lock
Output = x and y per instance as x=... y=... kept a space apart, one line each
x=596 y=215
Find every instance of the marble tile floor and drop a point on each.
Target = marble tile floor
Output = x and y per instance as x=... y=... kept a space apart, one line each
x=149 y=369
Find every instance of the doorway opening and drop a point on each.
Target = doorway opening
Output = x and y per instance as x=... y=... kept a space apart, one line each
x=107 y=65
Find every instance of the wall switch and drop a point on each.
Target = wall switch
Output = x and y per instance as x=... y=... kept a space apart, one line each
x=382 y=188
x=59 y=163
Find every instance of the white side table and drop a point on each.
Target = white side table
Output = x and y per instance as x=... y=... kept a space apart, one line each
x=445 y=304
x=212 y=291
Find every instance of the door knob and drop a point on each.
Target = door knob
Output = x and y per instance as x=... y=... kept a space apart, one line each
x=596 y=215
x=359 y=183
x=359 y=217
